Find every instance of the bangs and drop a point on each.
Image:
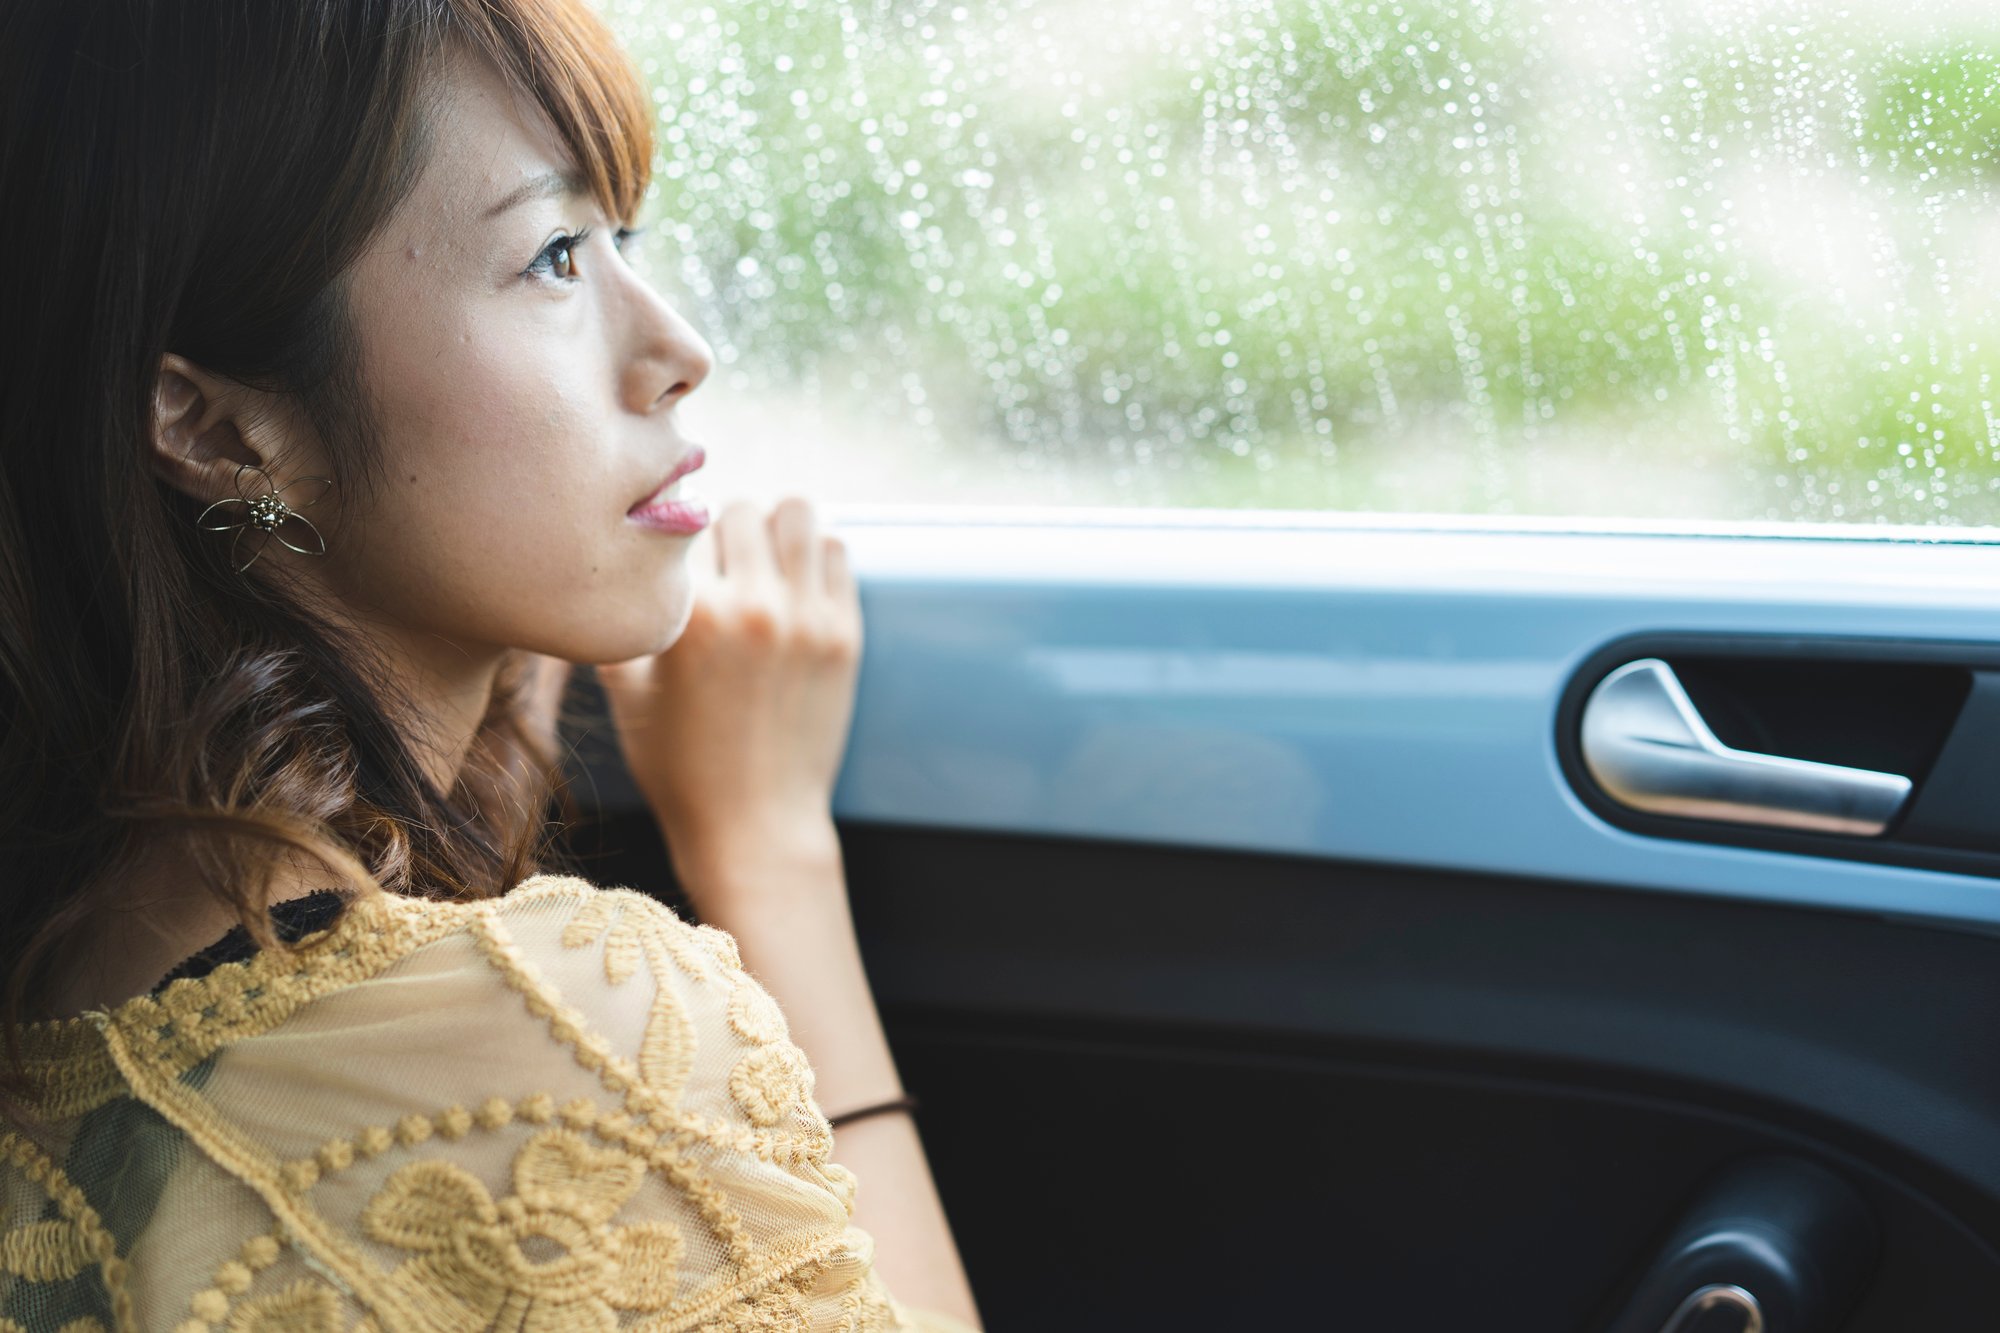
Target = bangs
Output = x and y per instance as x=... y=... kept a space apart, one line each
x=560 y=54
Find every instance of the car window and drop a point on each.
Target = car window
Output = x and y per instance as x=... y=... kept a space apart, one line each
x=1725 y=260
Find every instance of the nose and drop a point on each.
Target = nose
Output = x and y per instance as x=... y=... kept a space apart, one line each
x=668 y=358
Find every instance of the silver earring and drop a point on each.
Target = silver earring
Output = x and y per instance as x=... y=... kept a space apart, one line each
x=266 y=512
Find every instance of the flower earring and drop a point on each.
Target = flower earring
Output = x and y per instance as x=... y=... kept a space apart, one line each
x=266 y=512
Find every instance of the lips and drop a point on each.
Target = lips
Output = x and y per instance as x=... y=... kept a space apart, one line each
x=678 y=516
x=689 y=461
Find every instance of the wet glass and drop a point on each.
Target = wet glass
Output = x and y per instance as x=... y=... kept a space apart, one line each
x=1665 y=259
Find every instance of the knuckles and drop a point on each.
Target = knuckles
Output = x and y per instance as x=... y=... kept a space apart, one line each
x=828 y=642
x=758 y=622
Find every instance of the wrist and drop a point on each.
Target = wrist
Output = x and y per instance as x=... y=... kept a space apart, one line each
x=897 y=1103
x=763 y=837
x=766 y=853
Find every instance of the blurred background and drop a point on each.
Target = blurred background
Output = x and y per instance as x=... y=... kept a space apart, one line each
x=1610 y=258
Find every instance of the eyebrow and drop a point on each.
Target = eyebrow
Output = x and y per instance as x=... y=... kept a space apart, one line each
x=547 y=185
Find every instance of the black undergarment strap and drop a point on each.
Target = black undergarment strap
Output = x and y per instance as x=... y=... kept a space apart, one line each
x=291 y=920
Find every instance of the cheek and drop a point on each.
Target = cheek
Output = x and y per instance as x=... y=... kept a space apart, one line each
x=502 y=514
x=480 y=400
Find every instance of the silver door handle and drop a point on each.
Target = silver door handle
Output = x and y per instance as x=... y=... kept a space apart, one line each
x=1645 y=743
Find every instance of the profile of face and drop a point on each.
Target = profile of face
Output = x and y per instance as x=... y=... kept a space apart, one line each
x=523 y=380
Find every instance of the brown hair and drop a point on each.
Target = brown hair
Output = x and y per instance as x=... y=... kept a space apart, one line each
x=196 y=176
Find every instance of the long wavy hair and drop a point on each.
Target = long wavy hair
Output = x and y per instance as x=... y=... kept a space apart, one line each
x=196 y=177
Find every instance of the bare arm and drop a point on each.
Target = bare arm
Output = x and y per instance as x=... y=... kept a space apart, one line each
x=735 y=736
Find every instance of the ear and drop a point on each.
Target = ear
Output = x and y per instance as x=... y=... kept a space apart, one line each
x=205 y=427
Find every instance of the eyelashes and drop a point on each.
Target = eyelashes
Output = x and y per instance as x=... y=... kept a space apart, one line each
x=557 y=259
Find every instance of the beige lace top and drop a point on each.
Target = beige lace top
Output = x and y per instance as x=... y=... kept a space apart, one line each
x=562 y=1111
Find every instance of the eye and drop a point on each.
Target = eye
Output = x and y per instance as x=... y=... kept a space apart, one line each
x=624 y=237
x=558 y=258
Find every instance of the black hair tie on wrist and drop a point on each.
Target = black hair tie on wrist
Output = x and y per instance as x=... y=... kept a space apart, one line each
x=908 y=1104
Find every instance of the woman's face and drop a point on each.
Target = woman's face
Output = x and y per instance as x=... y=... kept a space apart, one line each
x=524 y=384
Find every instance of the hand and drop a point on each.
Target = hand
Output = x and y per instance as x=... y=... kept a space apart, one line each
x=545 y=681
x=735 y=734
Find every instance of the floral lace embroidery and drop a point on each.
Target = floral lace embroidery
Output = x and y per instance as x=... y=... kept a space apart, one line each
x=770 y=1081
x=869 y=1306
x=546 y=1256
x=543 y=1260
x=781 y=1308
x=59 y=1248
x=756 y=1017
x=44 y=1251
x=668 y=1155
x=304 y=1307
x=666 y=1052
x=235 y=1276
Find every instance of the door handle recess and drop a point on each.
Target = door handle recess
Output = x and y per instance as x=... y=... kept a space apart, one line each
x=1646 y=745
x=1718 y=1308
x=1770 y=1244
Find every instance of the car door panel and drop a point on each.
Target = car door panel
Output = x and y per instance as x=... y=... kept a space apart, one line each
x=1384 y=696
x=1238 y=916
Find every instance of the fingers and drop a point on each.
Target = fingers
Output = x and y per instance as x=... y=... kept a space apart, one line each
x=786 y=542
x=795 y=541
x=839 y=571
x=546 y=682
x=781 y=560
x=742 y=546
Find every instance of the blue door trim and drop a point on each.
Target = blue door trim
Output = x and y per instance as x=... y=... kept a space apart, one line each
x=1364 y=690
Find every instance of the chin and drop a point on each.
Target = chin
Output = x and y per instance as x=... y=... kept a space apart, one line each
x=671 y=635
x=637 y=639
x=674 y=623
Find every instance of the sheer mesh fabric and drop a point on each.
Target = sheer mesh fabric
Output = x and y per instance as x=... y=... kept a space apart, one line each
x=564 y=1110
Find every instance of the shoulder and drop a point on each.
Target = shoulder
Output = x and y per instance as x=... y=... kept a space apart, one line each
x=623 y=919
x=419 y=1097
x=621 y=977
x=609 y=954
x=558 y=991
x=567 y=949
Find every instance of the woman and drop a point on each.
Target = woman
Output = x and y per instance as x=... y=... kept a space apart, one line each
x=334 y=419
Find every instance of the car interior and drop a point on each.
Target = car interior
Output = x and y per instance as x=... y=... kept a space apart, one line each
x=1388 y=954
x=1431 y=701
